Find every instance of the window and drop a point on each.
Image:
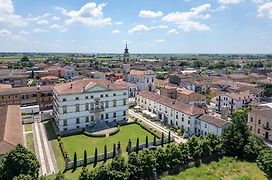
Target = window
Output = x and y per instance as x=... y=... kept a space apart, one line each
x=176 y=123
x=64 y=99
x=101 y=105
x=77 y=98
x=107 y=104
x=182 y=119
x=77 y=107
x=250 y=128
x=114 y=114
x=124 y=113
x=102 y=116
x=64 y=109
x=251 y=119
x=188 y=121
x=176 y=116
x=77 y=120
x=114 y=94
x=87 y=119
x=114 y=103
x=124 y=93
x=124 y=102
x=107 y=95
x=86 y=97
x=64 y=122
x=259 y=131
x=101 y=95
x=91 y=97
x=259 y=121
x=92 y=106
x=107 y=116
x=92 y=118
x=87 y=107
x=205 y=125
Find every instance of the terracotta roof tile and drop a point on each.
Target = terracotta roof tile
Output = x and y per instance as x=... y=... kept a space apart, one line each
x=218 y=122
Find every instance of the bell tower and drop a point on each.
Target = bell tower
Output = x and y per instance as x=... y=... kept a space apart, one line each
x=126 y=65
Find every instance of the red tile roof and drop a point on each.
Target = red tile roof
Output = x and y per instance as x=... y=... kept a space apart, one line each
x=218 y=122
x=177 y=105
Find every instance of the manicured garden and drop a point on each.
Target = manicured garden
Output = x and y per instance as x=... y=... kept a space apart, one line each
x=79 y=143
x=225 y=168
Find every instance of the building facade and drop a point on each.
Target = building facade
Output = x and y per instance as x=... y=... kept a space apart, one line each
x=82 y=104
x=234 y=101
x=169 y=111
x=260 y=123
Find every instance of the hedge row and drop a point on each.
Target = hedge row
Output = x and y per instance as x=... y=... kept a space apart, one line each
x=147 y=129
x=63 y=152
x=115 y=132
x=93 y=135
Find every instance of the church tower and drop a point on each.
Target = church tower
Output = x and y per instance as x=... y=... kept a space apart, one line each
x=126 y=65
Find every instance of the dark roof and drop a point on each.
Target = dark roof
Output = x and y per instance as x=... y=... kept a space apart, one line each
x=11 y=128
x=24 y=90
x=218 y=122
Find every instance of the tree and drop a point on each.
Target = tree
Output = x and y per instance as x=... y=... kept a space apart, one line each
x=24 y=59
x=19 y=161
x=162 y=137
x=75 y=162
x=169 y=137
x=215 y=143
x=95 y=157
x=85 y=158
x=236 y=135
x=161 y=160
x=60 y=176
x=146 y=141
x=134 y=168
x=194 y=147
x=154 y=141
x=264 y=161
x=23 y=177
x=253 y=148
x=137 y=146
x=86 y=175
x=114 y=150
x=105 y=153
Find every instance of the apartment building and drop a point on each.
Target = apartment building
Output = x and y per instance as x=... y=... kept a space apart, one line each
x=207 y=123
x=14 y=77
x=84 y=103
x=234 y=101
x=27 y=96
x=260 y=122
x=172 y=112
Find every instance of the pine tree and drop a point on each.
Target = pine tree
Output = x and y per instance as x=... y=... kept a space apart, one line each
x=75 y=161
x=154 y=141
x=105 y=153
x=114 y=150
x=146 y=141
x=85 y=158
x=95 y=156
x=162 y=137
x=137 y=146
x=169 y=137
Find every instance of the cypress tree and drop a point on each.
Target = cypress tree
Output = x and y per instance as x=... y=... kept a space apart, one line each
x=105 y=153
x=146 y=141
x=169 y=137
x=95 y=156
x=162 y=137
x=85 y=158
x=114 y=150
x=137 y=146
x=154 y=141
x=75 y=161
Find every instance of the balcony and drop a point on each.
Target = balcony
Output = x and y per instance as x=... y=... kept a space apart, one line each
x=266 y=127
x=96 y=110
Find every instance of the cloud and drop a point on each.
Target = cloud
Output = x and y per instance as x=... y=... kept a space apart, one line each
x=150 y=14
x=90 y=14
x=138 y=29
x=143 y=28
x=55 y=18
x=24 y=32
x=7 y=14
x=4 y=32
x=187 y=20
x=160 y=40
x=172 y=31
x=265 y=10
x=119 y=22
x=115 y=31
x=37 y=30
x=224 y=2
x=42 y=22
x=58 y=27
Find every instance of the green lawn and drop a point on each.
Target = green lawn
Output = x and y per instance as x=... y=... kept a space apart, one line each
x=30 y=142
x=28 y=127
x=79 y=143
x=227 y=169
x=55 y=145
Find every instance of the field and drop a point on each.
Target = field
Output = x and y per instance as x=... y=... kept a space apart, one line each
x=227 y=169
x=79 y=143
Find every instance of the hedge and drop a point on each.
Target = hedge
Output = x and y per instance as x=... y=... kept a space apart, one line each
x=93 y=135
x=148 y=129
x=115 y=132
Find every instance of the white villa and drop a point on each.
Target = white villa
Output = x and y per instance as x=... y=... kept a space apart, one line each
x=83 y=103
